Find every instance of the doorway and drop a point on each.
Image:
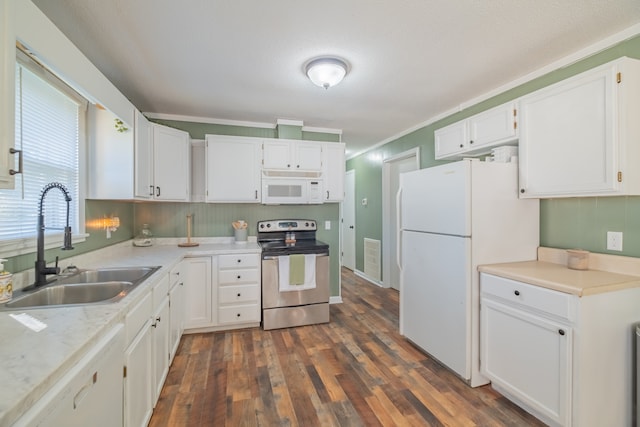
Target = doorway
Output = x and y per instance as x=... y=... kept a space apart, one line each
x=391 y=170
x=349 y=221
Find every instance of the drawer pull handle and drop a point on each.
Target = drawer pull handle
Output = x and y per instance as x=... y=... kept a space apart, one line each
x=238 y=315
x=561 y=332
x=238 y=276
x=239 y=261
x=238 y=294
x=517 y=293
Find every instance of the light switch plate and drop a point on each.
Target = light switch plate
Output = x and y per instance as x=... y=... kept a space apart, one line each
x=327 y=225
x=614 y=240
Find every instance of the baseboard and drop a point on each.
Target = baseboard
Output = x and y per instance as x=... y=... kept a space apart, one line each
x=335 y=300
x=368 y=279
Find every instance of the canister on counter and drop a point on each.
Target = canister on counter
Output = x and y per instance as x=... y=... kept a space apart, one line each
x=6 y=283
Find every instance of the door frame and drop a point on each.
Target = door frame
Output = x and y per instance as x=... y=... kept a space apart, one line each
x=350 y=174
x=389 y=203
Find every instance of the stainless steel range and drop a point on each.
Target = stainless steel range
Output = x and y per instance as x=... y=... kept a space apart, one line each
x=295 y=274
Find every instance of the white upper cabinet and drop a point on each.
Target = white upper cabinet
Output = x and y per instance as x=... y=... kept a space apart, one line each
x=333 y=170
x=292 y=155
x=171 y=159
x=477 y=134
x=233 y=169
x=7 y=86
x=581 y=136
x=143 y=155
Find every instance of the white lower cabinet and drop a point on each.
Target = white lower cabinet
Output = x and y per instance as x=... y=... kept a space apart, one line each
x=138 y=373
x=160 y=352
x=565 y=358
x=197 y=292
x=176 y=308
x=89 y=394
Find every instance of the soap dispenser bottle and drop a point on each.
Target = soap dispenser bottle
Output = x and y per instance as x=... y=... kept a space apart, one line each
x=6 y=283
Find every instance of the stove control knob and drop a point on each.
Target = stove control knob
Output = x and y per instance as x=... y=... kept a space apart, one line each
x=268 y=225
x=261 y=225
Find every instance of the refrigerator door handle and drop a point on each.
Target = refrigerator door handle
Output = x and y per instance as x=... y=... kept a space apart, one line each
x=399 y=228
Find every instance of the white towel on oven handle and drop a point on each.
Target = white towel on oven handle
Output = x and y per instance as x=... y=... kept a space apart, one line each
x=309 y=274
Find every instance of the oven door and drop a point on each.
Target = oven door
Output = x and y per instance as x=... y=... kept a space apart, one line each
x=272 y=297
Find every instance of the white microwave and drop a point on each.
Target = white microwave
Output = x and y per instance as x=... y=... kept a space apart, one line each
x=299 y=191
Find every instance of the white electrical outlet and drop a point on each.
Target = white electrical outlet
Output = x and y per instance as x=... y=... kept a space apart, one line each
x=614 y=240
x=327 y=225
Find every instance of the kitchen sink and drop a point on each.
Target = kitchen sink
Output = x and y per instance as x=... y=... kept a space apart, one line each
x=99 y=286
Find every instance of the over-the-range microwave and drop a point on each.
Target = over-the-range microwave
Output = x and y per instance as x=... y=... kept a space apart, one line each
x=291 y=190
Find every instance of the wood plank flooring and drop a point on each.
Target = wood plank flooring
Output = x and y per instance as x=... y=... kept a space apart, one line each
x=354 y=371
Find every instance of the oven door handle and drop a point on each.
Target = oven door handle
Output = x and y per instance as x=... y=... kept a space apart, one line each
x=268 y=257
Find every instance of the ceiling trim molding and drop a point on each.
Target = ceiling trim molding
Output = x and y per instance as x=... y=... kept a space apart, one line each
x=579 y=55
x=289 y=122
x=321 y=130
x=207 y=120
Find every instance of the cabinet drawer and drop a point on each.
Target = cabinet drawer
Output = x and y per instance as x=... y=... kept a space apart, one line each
x=239 y=294
x=238 y=261
x=239 y=314
x=137 y=317
x=238 y=276
x=536 y=297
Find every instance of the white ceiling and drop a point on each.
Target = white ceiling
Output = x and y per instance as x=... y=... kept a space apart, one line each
x=410 y=60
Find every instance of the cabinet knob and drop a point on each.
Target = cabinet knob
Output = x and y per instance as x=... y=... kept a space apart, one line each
x=238 y=315
x=461 y=145
x=298 y=166
x=238 y=276
x=288 y=165
x=471 y=142
x=239 y=261
x=522 y=190
x=238 y=294
x=517 y=293
x=561 y=331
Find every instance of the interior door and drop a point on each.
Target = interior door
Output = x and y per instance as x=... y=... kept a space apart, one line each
x=349 y=221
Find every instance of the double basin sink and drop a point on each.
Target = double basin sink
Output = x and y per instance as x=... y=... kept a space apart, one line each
x=99 y=286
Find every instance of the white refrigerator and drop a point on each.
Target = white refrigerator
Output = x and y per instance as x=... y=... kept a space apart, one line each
x=453 y=218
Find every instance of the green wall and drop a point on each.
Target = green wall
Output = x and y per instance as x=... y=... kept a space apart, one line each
x=564 y=223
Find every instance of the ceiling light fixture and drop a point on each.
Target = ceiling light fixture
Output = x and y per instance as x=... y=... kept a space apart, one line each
x=326 y=71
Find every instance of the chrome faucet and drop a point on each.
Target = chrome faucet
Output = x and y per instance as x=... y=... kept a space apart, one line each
x=41 y=265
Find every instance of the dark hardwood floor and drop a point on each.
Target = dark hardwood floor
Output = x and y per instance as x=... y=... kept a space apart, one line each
x=354 y=371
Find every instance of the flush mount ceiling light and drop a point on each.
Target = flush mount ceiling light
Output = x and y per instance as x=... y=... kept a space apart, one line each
x=326 y=71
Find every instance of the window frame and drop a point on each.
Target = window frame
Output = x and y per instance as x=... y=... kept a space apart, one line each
x=28 y=245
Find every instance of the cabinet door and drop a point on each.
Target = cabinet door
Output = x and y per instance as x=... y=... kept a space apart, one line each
x=171 y=172
x=307 y=156
x=567 y=137
x=275 y=155
x=494 y=126
x=233 y=170
x=197 y=293
x=529 y=357
x=143 y=154
x=333 y=167
x=451 y=139
x=7 y=85
x=176 y=318
x=160 y=335
x=138 y=387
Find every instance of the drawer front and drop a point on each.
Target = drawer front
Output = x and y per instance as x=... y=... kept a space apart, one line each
x=137 y=317
x=238 y=261
x=536 y=297
x=239 y=314
x=239 y=294
x=226 y=277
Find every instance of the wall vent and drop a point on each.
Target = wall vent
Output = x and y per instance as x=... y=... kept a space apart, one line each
x=372 y=258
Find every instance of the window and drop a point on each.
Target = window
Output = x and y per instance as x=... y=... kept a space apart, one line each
x=50 y=131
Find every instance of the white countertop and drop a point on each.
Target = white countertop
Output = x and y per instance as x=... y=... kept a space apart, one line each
x=33 y=361
x=610 y=273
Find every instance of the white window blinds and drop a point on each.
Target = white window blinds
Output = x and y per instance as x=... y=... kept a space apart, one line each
x=49 y=130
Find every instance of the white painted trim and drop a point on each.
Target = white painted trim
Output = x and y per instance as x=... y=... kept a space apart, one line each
x=367 y=278
x=289 y=122
x=336 y=300
x=321 y=130
x=195 y=119
x=591 y=50
x=387 y=204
